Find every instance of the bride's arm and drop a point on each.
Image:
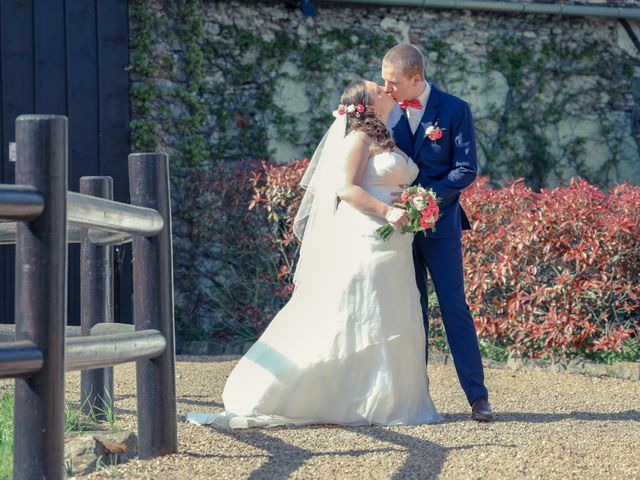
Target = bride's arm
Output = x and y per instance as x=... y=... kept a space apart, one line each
x=356 y=146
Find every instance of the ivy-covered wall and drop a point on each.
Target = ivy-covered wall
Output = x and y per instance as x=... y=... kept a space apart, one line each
x=218 y=81
x=553 y=97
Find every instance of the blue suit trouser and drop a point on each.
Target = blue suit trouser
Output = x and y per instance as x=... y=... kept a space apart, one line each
x=442 y=258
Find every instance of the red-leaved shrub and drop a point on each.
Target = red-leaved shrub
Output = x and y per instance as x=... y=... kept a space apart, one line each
x=277 y=189
x=548 y=275
x=554 y=274
x=235 y=262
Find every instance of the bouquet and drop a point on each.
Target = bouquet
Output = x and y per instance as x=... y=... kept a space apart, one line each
x=422 y=205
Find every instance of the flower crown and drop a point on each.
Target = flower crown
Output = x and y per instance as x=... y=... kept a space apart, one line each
x=346 y=109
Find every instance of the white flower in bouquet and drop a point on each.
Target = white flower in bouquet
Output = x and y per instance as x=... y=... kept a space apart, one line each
x=420 y=203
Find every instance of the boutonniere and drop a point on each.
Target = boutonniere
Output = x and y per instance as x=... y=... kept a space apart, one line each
x=434 y=132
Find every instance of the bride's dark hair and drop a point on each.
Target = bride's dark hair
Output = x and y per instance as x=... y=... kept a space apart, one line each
x=367 y=121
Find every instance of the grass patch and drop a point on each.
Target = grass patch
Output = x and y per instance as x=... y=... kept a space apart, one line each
x=6 y=436
x=106 y=413
x=74 y=421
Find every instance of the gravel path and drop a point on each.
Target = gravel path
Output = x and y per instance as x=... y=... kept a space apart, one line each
x=550 y=426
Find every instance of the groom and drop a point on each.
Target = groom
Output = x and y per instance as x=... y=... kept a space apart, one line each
x=435 y=129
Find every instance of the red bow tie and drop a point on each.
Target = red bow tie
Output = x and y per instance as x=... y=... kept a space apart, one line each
x=410 y=103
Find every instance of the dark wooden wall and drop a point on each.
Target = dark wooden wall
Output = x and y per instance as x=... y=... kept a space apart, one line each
x=69 y=57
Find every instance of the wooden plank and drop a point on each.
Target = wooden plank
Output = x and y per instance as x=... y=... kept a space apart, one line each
x=50 y=57
x=113 y=60
x=82 y=94
x=82 y=90
x=113 y=54
x=17 y=64
x=16 y=40
x=50 y=75
x=5 y=316
x=3 y=154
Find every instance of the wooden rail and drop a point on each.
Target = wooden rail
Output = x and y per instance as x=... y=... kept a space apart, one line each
x=43 y=216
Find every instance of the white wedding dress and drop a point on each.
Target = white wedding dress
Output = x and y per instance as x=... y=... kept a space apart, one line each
x=349 y=346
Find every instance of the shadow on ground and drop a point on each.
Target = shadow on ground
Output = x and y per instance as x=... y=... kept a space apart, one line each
x=527 y=417
x=425 y=458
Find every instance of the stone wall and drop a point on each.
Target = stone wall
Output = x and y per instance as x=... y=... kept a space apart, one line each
x=552 y=97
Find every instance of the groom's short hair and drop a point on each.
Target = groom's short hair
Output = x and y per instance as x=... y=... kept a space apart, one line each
x=408 y=57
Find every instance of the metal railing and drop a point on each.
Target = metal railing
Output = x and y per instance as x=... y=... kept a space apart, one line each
x=39 y=209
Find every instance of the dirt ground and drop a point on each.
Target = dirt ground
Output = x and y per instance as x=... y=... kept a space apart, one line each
x=549 y=426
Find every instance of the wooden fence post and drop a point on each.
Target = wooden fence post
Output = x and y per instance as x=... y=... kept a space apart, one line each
x=96 y=303
x=153 y=307
x=41 y=296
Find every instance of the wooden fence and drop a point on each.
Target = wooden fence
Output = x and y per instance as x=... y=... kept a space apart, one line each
x=35 y=213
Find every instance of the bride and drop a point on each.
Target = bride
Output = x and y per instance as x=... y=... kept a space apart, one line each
x=348 y=348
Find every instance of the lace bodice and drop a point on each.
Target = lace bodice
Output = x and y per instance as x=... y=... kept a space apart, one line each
x=385 y=172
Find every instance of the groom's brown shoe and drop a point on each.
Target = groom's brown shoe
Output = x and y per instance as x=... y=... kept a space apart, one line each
x=481 y=411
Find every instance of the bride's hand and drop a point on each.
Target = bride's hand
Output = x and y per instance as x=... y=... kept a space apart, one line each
x=397 y=217
x=396 y=197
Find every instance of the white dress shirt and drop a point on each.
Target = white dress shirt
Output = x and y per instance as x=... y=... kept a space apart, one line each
x=414 y=115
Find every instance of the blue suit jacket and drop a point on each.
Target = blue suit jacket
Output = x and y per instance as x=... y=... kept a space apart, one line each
x=447 y=165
